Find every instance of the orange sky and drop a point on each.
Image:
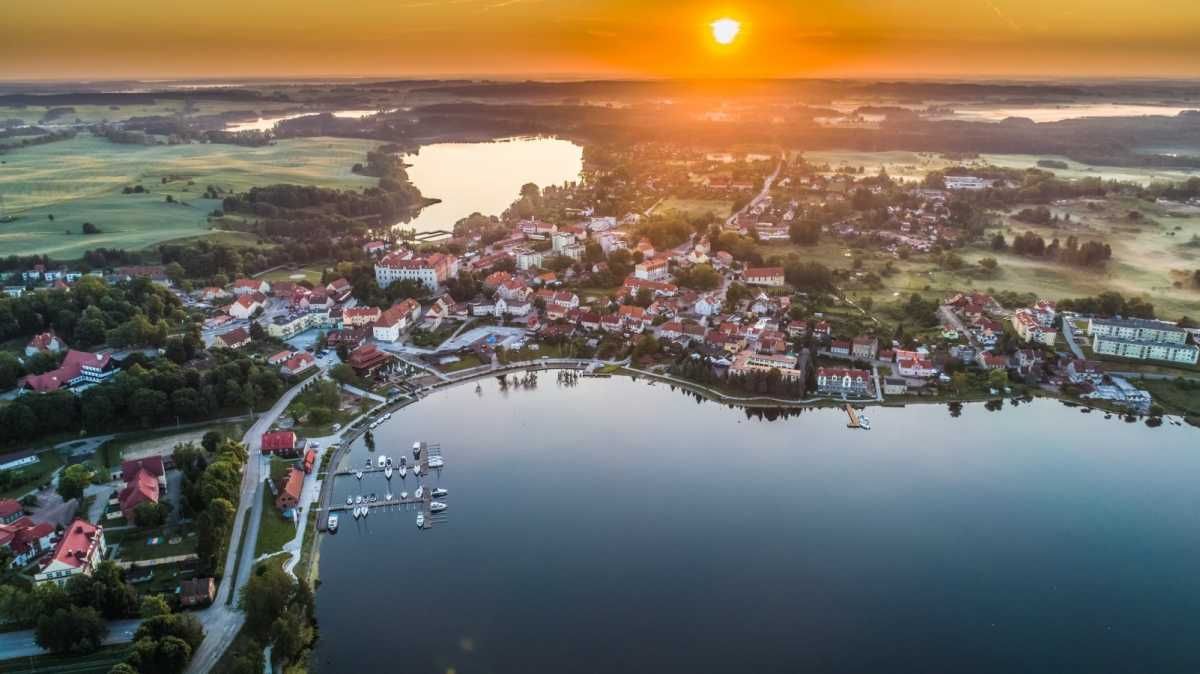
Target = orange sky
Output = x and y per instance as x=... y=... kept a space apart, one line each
x=901 y=38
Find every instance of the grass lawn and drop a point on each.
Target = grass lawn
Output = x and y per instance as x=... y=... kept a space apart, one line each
x=463 y=363
x=311 y=273
x=110 y=454
x=309 y=553
x=27 y=478
x=80 y=180
x=95 y=663
x=136 y=544
x=273 y=530
x=696 y=207
x=1172 y=396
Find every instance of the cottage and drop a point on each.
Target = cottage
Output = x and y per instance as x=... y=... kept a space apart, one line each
x=297 y=364
x=197 y=592
x=280 y=443
x=246 y=286
x=234 y=339
x=289 y=492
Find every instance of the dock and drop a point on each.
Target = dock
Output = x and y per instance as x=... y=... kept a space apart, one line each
x=853 y=414
x=424 y=501
x=327 y=506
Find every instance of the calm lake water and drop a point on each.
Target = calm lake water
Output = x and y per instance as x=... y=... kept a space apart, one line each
x=486 y=177
x=1057 y=113
x=267 y=123
x=620 y=527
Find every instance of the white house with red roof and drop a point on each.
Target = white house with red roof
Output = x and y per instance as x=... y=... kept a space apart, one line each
x=764 y=276
x=360 y=316
x=45 y=342
x=77 y=369
x=396 y=320
x=79 y=551
x=651 y=270
x=245 y=306
x=246 y=286
x=26 y=539
x=339 y=290
x=301 y=361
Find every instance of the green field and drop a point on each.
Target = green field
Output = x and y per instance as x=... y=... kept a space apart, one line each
x=311 y=273
x=80 y=180
x=273 y=530
x=913 y=166
x=696 y=207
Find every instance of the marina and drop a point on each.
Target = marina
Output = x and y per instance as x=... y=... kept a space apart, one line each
x=427 y=458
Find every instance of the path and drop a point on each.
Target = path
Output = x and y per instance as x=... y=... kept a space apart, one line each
x=1068 y=334
x=222 y=620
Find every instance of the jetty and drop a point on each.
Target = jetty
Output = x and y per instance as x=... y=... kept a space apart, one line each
x=854 y=422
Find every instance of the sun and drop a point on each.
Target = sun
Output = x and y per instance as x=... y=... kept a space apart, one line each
x=725 y=31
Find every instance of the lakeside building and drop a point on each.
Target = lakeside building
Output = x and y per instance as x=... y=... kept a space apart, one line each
x=843 y=381
x=430 y=271
x=748 y=362
x=1142 y=339
x=1030 y=327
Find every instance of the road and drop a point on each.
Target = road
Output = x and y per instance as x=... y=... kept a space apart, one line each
x=1068 y=332
x=222 y=621
x=22 y=645
x=766 y=190
x=951 y=318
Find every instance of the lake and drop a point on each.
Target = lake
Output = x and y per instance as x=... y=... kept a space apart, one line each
x=268 y=122
x=485 y=177
x=615 y=526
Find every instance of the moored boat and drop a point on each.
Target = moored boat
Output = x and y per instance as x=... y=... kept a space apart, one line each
x=437 y=506
x=332 y=524
x=420 y=520
x=387 y=472
x=439 y=492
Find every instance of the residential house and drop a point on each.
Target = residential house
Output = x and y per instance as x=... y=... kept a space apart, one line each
x=289 y=492
x=1030 y=329
x=44 y=342
x=301 y=362
x=197 y=592
x=357 y=317
x=247 y=286
x=10 y=510
x=764 y=276
x=234 y=339
x=992 y=361
x=280 y=443
x=339 y=290
x=895 y=386
x=748 y=362
x=25 y=539
x=396 y=320
x=840 y=348
x=865 y=347
x=1084 y=372
x=651 y=270
x=79 y=550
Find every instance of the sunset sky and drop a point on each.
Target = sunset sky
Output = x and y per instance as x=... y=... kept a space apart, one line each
x=628 y=38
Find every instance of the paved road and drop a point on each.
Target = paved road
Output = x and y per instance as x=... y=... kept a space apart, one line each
x=1068 y=333
x=766 y=190
x=221 y=621
x=21 y=644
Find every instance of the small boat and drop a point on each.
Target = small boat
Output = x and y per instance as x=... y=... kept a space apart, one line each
x=358 y=475
x=420 y=492
x=388 y=462
x=403 y=461
x=439 y=492
x=349 y=500
x=372 y=498
x=403 y=496
x=358 y=499
x=381 y=461
x=416 y=470
x=420 y=520
x=368 y=462
x=864 y=422
x=388 y=497
x=387 y=416
x=357 y=513
x=434 y=462
x=387 y=472
x=416 y=450
x=437 y=507
x=366 y=510
x=332 y=523
x=403 y=471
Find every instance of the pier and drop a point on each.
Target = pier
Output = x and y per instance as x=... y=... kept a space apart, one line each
x=853 y=414
x=418 y=467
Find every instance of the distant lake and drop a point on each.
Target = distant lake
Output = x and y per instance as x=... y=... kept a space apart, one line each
x=269 y=122
x=619 y=527
x=486 y=177
x=1057 y=113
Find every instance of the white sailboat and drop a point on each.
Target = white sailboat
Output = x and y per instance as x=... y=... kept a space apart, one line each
x=439 y=492
x=420 y=520
x=420 y=492
x=387 y=472
x=403 y=471
x=437 y=507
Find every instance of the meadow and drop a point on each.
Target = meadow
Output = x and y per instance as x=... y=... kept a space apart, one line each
x=53 y=189
x=696 y=207
x=913 y=166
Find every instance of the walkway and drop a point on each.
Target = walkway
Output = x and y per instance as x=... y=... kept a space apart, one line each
x=766 y=190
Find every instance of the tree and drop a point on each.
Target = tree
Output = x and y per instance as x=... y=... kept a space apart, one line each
x=73 y=480
x=998 y=378
x=183 y=626
x=77 y=630
x=264 y=597
x=104 y=590
x=960 y=381
x=989 y=264
x=149 y=514
x=169 y=655
x=804 y=233
x=154 y=605
x=89 y=228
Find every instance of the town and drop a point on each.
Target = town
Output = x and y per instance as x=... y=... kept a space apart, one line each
x=753 y=279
